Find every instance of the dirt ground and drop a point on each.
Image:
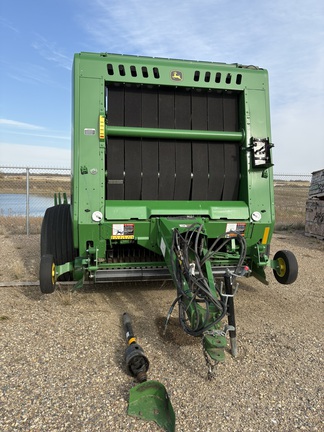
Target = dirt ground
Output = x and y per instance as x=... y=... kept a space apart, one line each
x=62 y=355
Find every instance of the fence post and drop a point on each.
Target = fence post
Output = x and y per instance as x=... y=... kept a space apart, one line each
x=27 y=201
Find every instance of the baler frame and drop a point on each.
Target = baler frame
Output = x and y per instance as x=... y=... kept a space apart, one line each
x=165 y=150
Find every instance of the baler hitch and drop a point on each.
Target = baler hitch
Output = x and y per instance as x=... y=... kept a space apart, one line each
x=203 y=299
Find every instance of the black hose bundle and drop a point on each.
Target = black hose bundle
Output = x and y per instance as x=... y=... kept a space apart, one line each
x=188 y=261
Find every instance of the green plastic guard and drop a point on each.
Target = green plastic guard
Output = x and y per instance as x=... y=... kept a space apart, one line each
x=150 y=401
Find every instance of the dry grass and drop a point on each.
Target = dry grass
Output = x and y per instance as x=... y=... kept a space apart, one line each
x=18 y=270
x=17 y=225
x=290 y=204
x=43 y=184
x=65 y=295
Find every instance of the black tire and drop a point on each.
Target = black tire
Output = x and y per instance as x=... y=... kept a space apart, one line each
x=46 y=232
x=287 y=271
x=63 y=240
x=57 y=236
x=47 y=274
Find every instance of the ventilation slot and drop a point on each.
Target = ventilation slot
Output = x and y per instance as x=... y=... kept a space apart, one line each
x=207 y=76
x=144 y=72
x=110 y=69
x=156 y=73
x=137 y=71
x=133 y=71
x=121 y=70
x=196 y=76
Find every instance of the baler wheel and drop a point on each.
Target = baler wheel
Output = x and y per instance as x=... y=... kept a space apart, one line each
x=47 y=274
x=56 y=236
x=287 y=270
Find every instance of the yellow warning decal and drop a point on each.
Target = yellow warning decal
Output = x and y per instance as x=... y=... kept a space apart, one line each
x=122 y=237
x=122 y=231
x=102 y=127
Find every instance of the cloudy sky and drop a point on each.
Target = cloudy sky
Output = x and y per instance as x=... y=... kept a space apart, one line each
x=38 y=40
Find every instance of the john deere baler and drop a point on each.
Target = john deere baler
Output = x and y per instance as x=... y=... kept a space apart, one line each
x=171 y=178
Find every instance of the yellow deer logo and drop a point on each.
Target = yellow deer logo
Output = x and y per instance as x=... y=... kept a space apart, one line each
x=176 y=76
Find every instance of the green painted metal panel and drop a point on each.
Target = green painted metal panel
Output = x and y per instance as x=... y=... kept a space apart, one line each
x=242 y=189
x=123 y=210
x=152 y=70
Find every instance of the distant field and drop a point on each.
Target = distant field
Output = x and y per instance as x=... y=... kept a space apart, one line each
x=290 y=203
x=39 y=184
x=290 y=199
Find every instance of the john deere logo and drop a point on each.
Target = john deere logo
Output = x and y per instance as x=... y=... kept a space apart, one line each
x=176 y=76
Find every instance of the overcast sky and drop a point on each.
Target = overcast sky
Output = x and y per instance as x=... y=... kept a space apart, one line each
x=39 y=38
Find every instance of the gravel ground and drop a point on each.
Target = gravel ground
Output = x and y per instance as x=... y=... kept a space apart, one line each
x=61 y=355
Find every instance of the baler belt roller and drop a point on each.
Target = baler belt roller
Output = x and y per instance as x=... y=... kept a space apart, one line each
x=181 y=134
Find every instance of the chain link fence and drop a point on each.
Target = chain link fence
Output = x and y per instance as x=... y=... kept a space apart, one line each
x=25 y=194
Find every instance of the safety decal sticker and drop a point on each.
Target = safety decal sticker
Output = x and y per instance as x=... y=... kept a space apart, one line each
x=122 y=232
x=235 y=228
x=162 y=247
x=89 y=131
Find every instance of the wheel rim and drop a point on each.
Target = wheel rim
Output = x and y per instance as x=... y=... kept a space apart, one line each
x=53 y=273
x=281 y=267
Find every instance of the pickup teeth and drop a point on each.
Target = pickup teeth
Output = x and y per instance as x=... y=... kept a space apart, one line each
x=132 y=253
